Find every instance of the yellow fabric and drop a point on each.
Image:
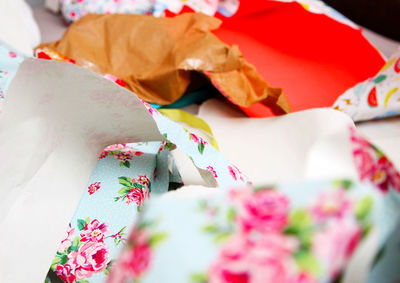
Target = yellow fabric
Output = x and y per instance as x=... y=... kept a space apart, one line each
x=191 y=120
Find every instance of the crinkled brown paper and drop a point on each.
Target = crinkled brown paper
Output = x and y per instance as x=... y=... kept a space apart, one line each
x=154 y=56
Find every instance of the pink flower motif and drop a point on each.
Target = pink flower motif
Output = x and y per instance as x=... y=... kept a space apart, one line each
x=94 y=187
x=268 y=259
x=124 y=156
x=104 y=154
x=197 y=139
x=67 y=242
x=365 y=162
x=385 y=175
x=114 y=147
x=132 y=262
x=194 y=138
x=153 y=111
x=372 y=165
x=336 y=243
x=121 y=152
x=332 y=203
x=90 y=258
x=142 y=179
x=117 y=146
x=150 y=108
x=235 y=173
x=12 y=54
x=64 y=272
x=305 y=278
x=264 y=210
x=94 y=231
x=137 y=195
x=163 y=144
x=211 y=169
x=72 y=14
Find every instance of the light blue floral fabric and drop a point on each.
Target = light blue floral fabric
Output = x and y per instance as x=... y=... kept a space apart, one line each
x=297 y=233
x=73 y=10
x=10 y=60
x=125 y=177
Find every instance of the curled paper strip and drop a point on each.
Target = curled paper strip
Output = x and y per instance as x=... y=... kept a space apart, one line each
x=287 y=233
x=377 y=97
x=71 y=114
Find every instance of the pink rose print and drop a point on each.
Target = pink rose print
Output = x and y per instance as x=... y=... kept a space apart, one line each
x=264 y=210
x=269 y=259
x=81 y=256
x=200 y=142
x=135 y=190
x=260 y=241
x=211 y=169
x=94 y=188
x=385 y=175
x=373 y=165
x=332 y=203
x=150 y=108
x=12 y=54
x=165 y=144
x=140 y=254
x=91 y=257
x=136 y=195
x=194 y=138
x=67 y=242
x=124 y=156
x=136 y=258
x=336 y=243
x=64 y=272
x=235 y=173
x=94 y=231
x=72 y=14
x=121 y=152
x=104 y=154
x=112 y=148
x=305 y=278
x=143 y=180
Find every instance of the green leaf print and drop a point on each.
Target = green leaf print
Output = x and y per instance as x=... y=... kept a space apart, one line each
x=125 y=181
x=81 y=224
x=200 y=147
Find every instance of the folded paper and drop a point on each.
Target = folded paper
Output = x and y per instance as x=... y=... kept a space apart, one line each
x=287 y=233
x=154 y=57
x=312 y=57
x=57 y=119
x=377 y=97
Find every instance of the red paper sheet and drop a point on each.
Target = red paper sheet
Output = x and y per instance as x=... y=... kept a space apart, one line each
x=311 y=56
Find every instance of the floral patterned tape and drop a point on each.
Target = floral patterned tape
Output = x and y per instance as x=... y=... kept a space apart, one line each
x=9 y=62
x=375 y=98
x=126 y=175
x=303 y=232
x=73 y=10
